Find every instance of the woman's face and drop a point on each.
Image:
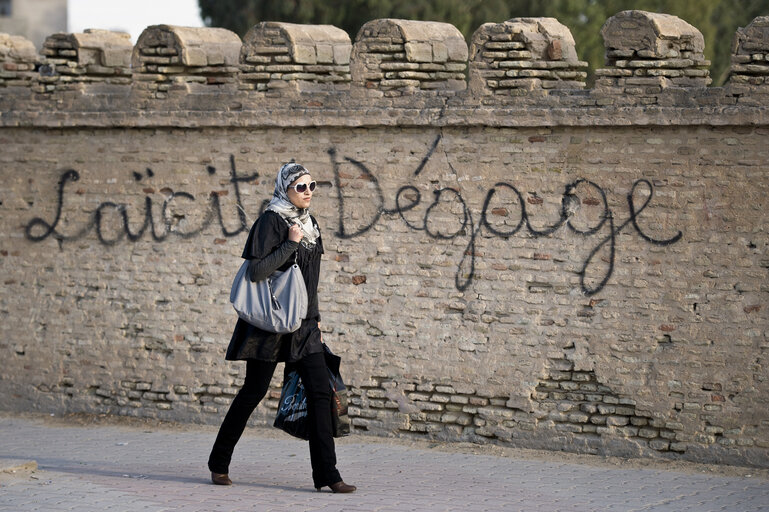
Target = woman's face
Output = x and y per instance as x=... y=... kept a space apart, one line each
x=300 y=199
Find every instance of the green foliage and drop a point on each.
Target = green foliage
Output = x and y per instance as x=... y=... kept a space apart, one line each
x=716 y=19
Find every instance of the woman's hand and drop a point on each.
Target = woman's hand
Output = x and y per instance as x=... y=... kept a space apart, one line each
x=295 y=233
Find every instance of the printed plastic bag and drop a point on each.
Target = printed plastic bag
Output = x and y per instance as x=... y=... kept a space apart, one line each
x=292 y=409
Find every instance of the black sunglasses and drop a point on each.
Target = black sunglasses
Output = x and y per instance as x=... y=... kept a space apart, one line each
x=302 y=187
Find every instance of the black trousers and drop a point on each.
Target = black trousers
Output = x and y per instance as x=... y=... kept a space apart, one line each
x=314 y=375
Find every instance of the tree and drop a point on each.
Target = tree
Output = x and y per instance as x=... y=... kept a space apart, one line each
x=718 y=20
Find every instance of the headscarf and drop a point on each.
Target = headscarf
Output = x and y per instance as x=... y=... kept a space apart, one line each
x=281 y=204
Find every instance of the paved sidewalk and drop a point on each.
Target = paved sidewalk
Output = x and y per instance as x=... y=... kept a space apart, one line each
x=155 y=468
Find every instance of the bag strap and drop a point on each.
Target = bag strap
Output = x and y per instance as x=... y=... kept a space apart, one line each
x=297 y=250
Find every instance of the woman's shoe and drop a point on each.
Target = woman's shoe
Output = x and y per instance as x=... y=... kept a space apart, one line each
x=220 y=478
x=340 y=487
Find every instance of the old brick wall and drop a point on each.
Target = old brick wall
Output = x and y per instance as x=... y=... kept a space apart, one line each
x=525 y=263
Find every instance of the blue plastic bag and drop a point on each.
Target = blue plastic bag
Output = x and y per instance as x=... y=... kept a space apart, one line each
x=292 y=408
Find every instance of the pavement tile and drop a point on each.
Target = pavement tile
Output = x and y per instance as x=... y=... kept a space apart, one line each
x=132 y=468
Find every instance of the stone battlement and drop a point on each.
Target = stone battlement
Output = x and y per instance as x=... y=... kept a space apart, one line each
x=652 y=50
x=750 y=58
x=398 y=57
x=651 y=60
x=525 y=54
x=93 y=56
x=277 y=55
x=168 y=57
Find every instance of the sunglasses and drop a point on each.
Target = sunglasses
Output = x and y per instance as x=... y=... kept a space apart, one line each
x=302 y=187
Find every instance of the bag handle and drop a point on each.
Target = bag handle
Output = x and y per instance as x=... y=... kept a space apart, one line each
x=297 y=250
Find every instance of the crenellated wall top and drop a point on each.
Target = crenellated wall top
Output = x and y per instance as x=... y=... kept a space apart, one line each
x=524 y=54
x=750 y=54
x=275 y=55
x=193 y=47
x=424 y=41
x=651 y=35
x=395 y=58
x=92 y=47
x=523 y=71
x=17 y=49
x=753 y=38
x=304 y=44
x=650 y=52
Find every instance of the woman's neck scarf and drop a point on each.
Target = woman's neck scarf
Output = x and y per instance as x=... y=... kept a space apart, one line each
x=281 y=204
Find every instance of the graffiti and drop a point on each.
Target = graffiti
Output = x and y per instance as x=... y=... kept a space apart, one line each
x=39 y=229
x=469 y=228
x=406 y=202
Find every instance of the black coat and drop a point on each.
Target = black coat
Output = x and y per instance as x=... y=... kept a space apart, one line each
x=249 y=342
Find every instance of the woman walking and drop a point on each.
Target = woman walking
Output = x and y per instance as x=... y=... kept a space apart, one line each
x=285 y=229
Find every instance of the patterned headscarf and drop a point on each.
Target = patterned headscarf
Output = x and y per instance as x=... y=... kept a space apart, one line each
x=281 y=204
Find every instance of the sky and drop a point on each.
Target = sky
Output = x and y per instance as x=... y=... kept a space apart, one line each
x=131 y=16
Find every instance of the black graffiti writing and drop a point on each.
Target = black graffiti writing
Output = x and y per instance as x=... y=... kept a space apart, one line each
x=408 y=197
x=38 y=229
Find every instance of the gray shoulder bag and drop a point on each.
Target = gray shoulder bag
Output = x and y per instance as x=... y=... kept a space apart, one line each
x=275 y=304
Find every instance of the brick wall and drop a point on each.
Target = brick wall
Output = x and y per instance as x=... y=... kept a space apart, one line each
x=547 y=267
